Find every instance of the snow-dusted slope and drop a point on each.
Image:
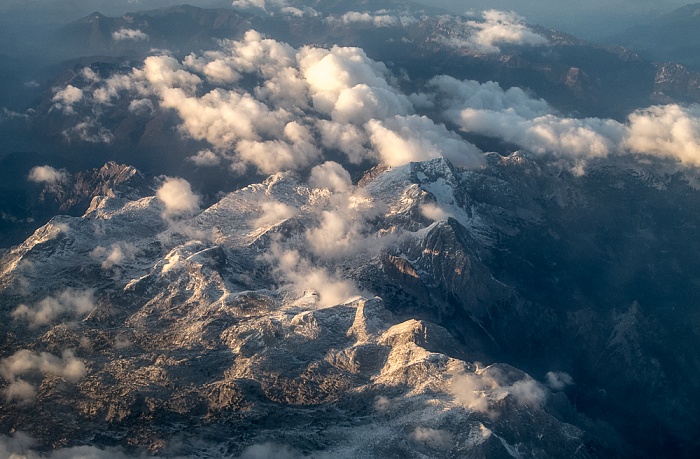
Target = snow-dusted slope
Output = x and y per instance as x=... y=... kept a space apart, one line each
x=251 y=324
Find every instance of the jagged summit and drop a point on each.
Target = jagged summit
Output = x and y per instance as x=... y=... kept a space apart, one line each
x=219 y=317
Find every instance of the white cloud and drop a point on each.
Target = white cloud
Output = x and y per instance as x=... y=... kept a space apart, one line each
x=558 y=380
x=338 y=234
x=528 y=392
x=69 y=303
x=349 y=139
x=345 y=84
x=476 y=390
x=177 y=196
x=433 y=212
x=25 y=362
x=297 y=150
x=113 y=255
x=301 y=275
x=401 y=140
x=573 y=137
x=497 y=27
x=19 y=389
x=332 y=176
x=125 y=34
x=47 y=174
x=458 y=94
x=273 y=213
x=666 y=131
x=669 y=131
x=224 y=118
x=67 y=97
x=205 y=158
x=355 y=17
x=515 y=117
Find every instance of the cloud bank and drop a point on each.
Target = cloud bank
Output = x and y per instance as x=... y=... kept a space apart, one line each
x=306 y=103
x=666 y=131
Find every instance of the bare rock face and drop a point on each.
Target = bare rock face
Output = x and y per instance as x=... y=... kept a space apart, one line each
x=135 y=334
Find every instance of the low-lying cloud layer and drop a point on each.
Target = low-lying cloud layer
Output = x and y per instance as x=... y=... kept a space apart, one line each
x=668 y=131
x=306 y=101
x=311 y=102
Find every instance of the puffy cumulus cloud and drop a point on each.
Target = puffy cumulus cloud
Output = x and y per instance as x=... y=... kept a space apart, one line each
x=434 y=438
x=476 y=390
x=47 y=174
x=32 y=364
x=401 y=140
x=67 y=97
x=349 y=139
x=178 y=198
x=256 y=54
x=125 y=34
x=113 y=255
x=299 y=274
x=269 y=6
x=205 y=158
x=567 y=137
x=530 y=123
x=304 y=102
x=338 y=234
x=332 y=176
x=224 y=118
x=497 y=27
x=458 y=94
x=558 y=380
x=667 y=131
x=252 y=54
x=296 y=151
x=166 y=72
x=67 y=304
x=345 y=84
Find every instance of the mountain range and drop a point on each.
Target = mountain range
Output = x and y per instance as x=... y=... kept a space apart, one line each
x=316 y=229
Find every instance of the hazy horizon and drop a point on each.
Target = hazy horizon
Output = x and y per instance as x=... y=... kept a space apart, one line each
x=592 y=20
